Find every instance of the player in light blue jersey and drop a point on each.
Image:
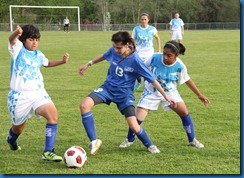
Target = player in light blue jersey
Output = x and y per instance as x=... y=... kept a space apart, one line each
x=176 y=27
x=125 y=66
x=28 y=95
x=169 y=70
x=144 y=35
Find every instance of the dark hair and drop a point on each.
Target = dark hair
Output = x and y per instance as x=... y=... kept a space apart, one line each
x=124 y=37
x=177 y=48
x=145 y=14
x=29 y=31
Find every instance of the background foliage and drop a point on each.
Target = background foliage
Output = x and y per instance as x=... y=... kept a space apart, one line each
x=126 y=11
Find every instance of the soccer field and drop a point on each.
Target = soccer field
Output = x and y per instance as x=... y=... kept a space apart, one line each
x=213 y=62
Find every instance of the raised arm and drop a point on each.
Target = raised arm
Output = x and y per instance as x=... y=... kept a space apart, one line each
x=13 y=36
x=91 y=62
x=190 y=83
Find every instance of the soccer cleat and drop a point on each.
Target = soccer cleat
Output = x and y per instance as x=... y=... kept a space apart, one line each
x=51 y=156
x=95 y=145
x=137 y=87
x=153 y=149
x=125 y=144
x=196 y=143
x=13 y=147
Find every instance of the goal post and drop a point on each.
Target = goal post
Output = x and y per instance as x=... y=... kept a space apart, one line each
x=50 y=7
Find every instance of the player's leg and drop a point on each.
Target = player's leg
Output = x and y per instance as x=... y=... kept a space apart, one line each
x=88 y=121
x=49 y=112
x=188 y=124
x=129 y=113
x=141 y=114
x=14 y=133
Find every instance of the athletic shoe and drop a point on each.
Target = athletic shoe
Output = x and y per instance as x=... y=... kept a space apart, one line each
x=13 y=147
x=94 y=146
x=153 y=149
x=196 y=143
x=125 y=144
x=137 y=87
x=51 y=156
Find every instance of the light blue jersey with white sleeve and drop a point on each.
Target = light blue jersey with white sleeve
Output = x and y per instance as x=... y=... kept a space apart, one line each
x=176 y=24
x=25 y=68
x=167 y=75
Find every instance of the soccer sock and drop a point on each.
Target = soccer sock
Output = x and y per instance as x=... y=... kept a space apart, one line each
x=12 y=137
x=188 y=126
x=51 y=132
x=131 y=134
x=142 y=135
x=89 y=125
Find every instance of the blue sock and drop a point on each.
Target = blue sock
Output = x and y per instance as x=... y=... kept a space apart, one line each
x=142 y=135
x=12 y=137
x=51 y=132
x=131 y=135
x=188 y=126
x=89 y=125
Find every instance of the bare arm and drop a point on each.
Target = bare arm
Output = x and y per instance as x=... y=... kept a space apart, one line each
x=194 y=88
x=161 y=90
x=13 y=36
x=158 y=42
x=54 y=63
x=182 y=30
x=91 y=62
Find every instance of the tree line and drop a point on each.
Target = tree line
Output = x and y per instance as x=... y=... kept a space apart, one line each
x=124 y=11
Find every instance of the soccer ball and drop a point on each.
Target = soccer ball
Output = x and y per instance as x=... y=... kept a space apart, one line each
x=75 y=157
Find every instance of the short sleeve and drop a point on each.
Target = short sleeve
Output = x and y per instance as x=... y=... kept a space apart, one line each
x=15 y=49
x=45 y=61
x=184 y=77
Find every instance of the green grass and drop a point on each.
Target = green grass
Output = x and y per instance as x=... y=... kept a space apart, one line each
x=213 y=61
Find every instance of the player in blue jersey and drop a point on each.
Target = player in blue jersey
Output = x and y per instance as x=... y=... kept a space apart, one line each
x=144 y=35
x=27 y=94
x=176 y=26
x=125 y=66
x=169 y=70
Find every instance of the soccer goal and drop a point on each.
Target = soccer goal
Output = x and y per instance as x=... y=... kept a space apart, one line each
x=25 y=7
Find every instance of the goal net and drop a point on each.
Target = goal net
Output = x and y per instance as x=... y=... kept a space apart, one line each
x=44 y=17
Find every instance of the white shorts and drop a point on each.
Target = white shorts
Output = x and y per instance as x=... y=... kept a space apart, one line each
x=151 y=101
x=177 y=35
x=22 y=105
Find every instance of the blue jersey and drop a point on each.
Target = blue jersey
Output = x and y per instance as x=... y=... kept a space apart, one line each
x=124 y=71
x=176 y=24
x=167 y=75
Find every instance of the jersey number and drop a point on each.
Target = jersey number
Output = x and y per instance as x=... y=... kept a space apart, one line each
x=119 y=71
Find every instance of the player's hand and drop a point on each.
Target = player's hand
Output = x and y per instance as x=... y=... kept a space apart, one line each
x=66 y=57
x=204 y=100
x=83 y=68
x=172 y=103
x=19 y=30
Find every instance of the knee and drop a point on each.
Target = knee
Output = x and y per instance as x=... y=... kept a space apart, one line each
x=84 y=107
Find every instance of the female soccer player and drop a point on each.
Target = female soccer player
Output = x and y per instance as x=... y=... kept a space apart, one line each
x=176 y=26
x=27 y=94
x=125 y=66
x=168 y=70
x=143 y=35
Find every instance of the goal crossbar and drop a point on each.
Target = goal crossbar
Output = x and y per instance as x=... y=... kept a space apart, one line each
x=50 y=7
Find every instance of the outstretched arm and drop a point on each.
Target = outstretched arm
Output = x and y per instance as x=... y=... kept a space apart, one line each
x=91 y=62
x=194 y=88
x=53 y=63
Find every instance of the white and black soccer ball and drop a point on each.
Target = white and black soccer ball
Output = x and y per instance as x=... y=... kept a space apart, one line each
x=75 y=157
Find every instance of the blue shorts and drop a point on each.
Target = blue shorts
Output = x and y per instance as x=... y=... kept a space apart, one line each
x=122 y=97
